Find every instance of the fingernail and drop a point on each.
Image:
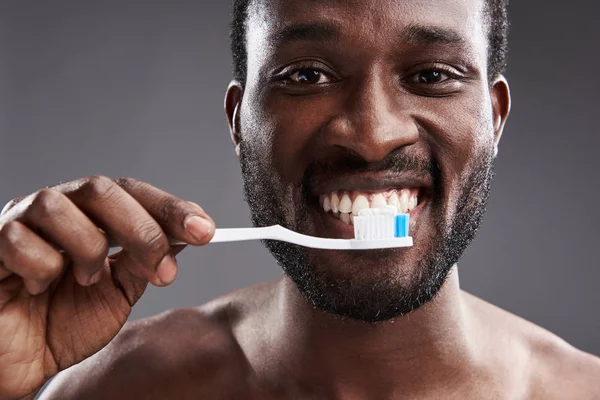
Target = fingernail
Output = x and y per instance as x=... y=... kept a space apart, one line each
x=96 y=277
x=37 y=287
x=167 y=270
x=198 y=227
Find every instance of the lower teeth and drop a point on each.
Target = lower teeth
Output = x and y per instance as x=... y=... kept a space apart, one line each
x=345 y=217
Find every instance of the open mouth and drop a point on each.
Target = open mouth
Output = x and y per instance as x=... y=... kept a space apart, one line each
x=345 y=205
x=337 y=201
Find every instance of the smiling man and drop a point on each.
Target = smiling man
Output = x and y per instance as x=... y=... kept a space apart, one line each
x=335 y=106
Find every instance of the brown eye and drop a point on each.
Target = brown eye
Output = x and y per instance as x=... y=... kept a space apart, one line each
x=309 y=76
x=432 y=76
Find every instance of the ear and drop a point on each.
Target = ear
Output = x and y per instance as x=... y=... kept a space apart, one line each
x=501 y=104
x=233 y=102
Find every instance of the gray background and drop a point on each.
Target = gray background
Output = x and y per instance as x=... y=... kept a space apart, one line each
x=135 y=88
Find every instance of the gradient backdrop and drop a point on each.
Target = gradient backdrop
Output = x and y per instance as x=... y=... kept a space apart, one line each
x=135 y=88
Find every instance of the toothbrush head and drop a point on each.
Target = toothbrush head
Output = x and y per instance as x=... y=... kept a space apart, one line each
x=380 y=223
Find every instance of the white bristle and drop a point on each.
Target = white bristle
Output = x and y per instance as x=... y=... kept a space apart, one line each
x=375 y=223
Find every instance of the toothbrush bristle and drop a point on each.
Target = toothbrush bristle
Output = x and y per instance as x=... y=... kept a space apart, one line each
x=380 y=223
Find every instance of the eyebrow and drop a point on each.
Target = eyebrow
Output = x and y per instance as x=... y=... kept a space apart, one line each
x=420 y=34
x=327 y=32
x=315 y=32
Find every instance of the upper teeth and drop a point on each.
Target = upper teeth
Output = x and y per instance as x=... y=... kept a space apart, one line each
x=345 y=204
x=378 y=201
x=360 y=203
x=348 y=203
x=335 y=202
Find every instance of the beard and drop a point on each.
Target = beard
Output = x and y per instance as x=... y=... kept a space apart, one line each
x=372 y=287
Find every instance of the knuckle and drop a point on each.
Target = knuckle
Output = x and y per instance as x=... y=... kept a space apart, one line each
x=98 y=186
x=11 y=232
x=167 y=207
x=153 y=238
x=96 y=252
x=52 y=268
x=47 y=202
x=126 y=182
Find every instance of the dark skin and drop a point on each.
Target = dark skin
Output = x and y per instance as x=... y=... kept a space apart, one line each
x=375 y=91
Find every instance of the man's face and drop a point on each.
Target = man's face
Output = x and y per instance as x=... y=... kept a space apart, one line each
x=364 y=99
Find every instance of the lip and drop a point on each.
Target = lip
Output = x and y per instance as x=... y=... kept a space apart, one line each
x=372 y=183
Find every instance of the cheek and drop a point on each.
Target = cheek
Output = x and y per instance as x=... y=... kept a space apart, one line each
x=296 y=123
x=280 y=132
x=460 y=132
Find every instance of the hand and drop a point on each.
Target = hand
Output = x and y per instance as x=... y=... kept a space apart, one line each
x=58 y=307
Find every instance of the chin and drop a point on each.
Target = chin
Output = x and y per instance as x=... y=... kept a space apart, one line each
x=367 y=266
x=369 y=286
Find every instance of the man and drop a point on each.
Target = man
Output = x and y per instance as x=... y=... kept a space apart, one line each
x=332 y=102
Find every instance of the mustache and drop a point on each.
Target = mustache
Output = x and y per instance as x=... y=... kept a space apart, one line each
x=349 y=163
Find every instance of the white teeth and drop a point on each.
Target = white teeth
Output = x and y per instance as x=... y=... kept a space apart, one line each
x=345 y=217
x=345 y=204
x=359 y=203
x=378 y=201
x=402 y=201
x=404 y=197
x=335 y=203
x=326 y=204
x=394 y=201
x=412 y=203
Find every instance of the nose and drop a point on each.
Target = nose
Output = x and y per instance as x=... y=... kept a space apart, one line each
x=373 y=121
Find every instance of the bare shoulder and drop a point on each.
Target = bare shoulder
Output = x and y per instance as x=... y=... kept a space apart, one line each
x=561 y=371
x=551 y=367
x=176 y=353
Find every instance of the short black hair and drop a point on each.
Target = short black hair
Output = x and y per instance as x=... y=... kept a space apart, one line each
x=496 y=15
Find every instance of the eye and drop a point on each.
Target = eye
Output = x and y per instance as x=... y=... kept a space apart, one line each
x=309 y=76
x=434 y=80
x=431 y=76
x=435 y=75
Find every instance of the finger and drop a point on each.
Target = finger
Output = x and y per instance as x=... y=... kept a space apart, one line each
x=180 y=219
x=166 y=271
x=163 y=275
x=26 y=254
x=60 y=222
x=4 y=273
x=117 y=213
x=121 y=257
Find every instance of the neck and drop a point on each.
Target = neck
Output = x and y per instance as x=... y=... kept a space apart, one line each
x=434 y=343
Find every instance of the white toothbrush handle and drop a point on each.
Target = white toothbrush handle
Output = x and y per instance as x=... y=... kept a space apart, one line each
x=277 y=232
x=241 y=234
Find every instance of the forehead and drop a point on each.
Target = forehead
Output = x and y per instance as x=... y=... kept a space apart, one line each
x=373 y=22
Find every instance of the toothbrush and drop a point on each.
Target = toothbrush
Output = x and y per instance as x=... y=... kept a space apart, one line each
x=374 y=228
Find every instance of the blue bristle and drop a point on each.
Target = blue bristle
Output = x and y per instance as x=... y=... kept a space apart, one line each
x=401 y=228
